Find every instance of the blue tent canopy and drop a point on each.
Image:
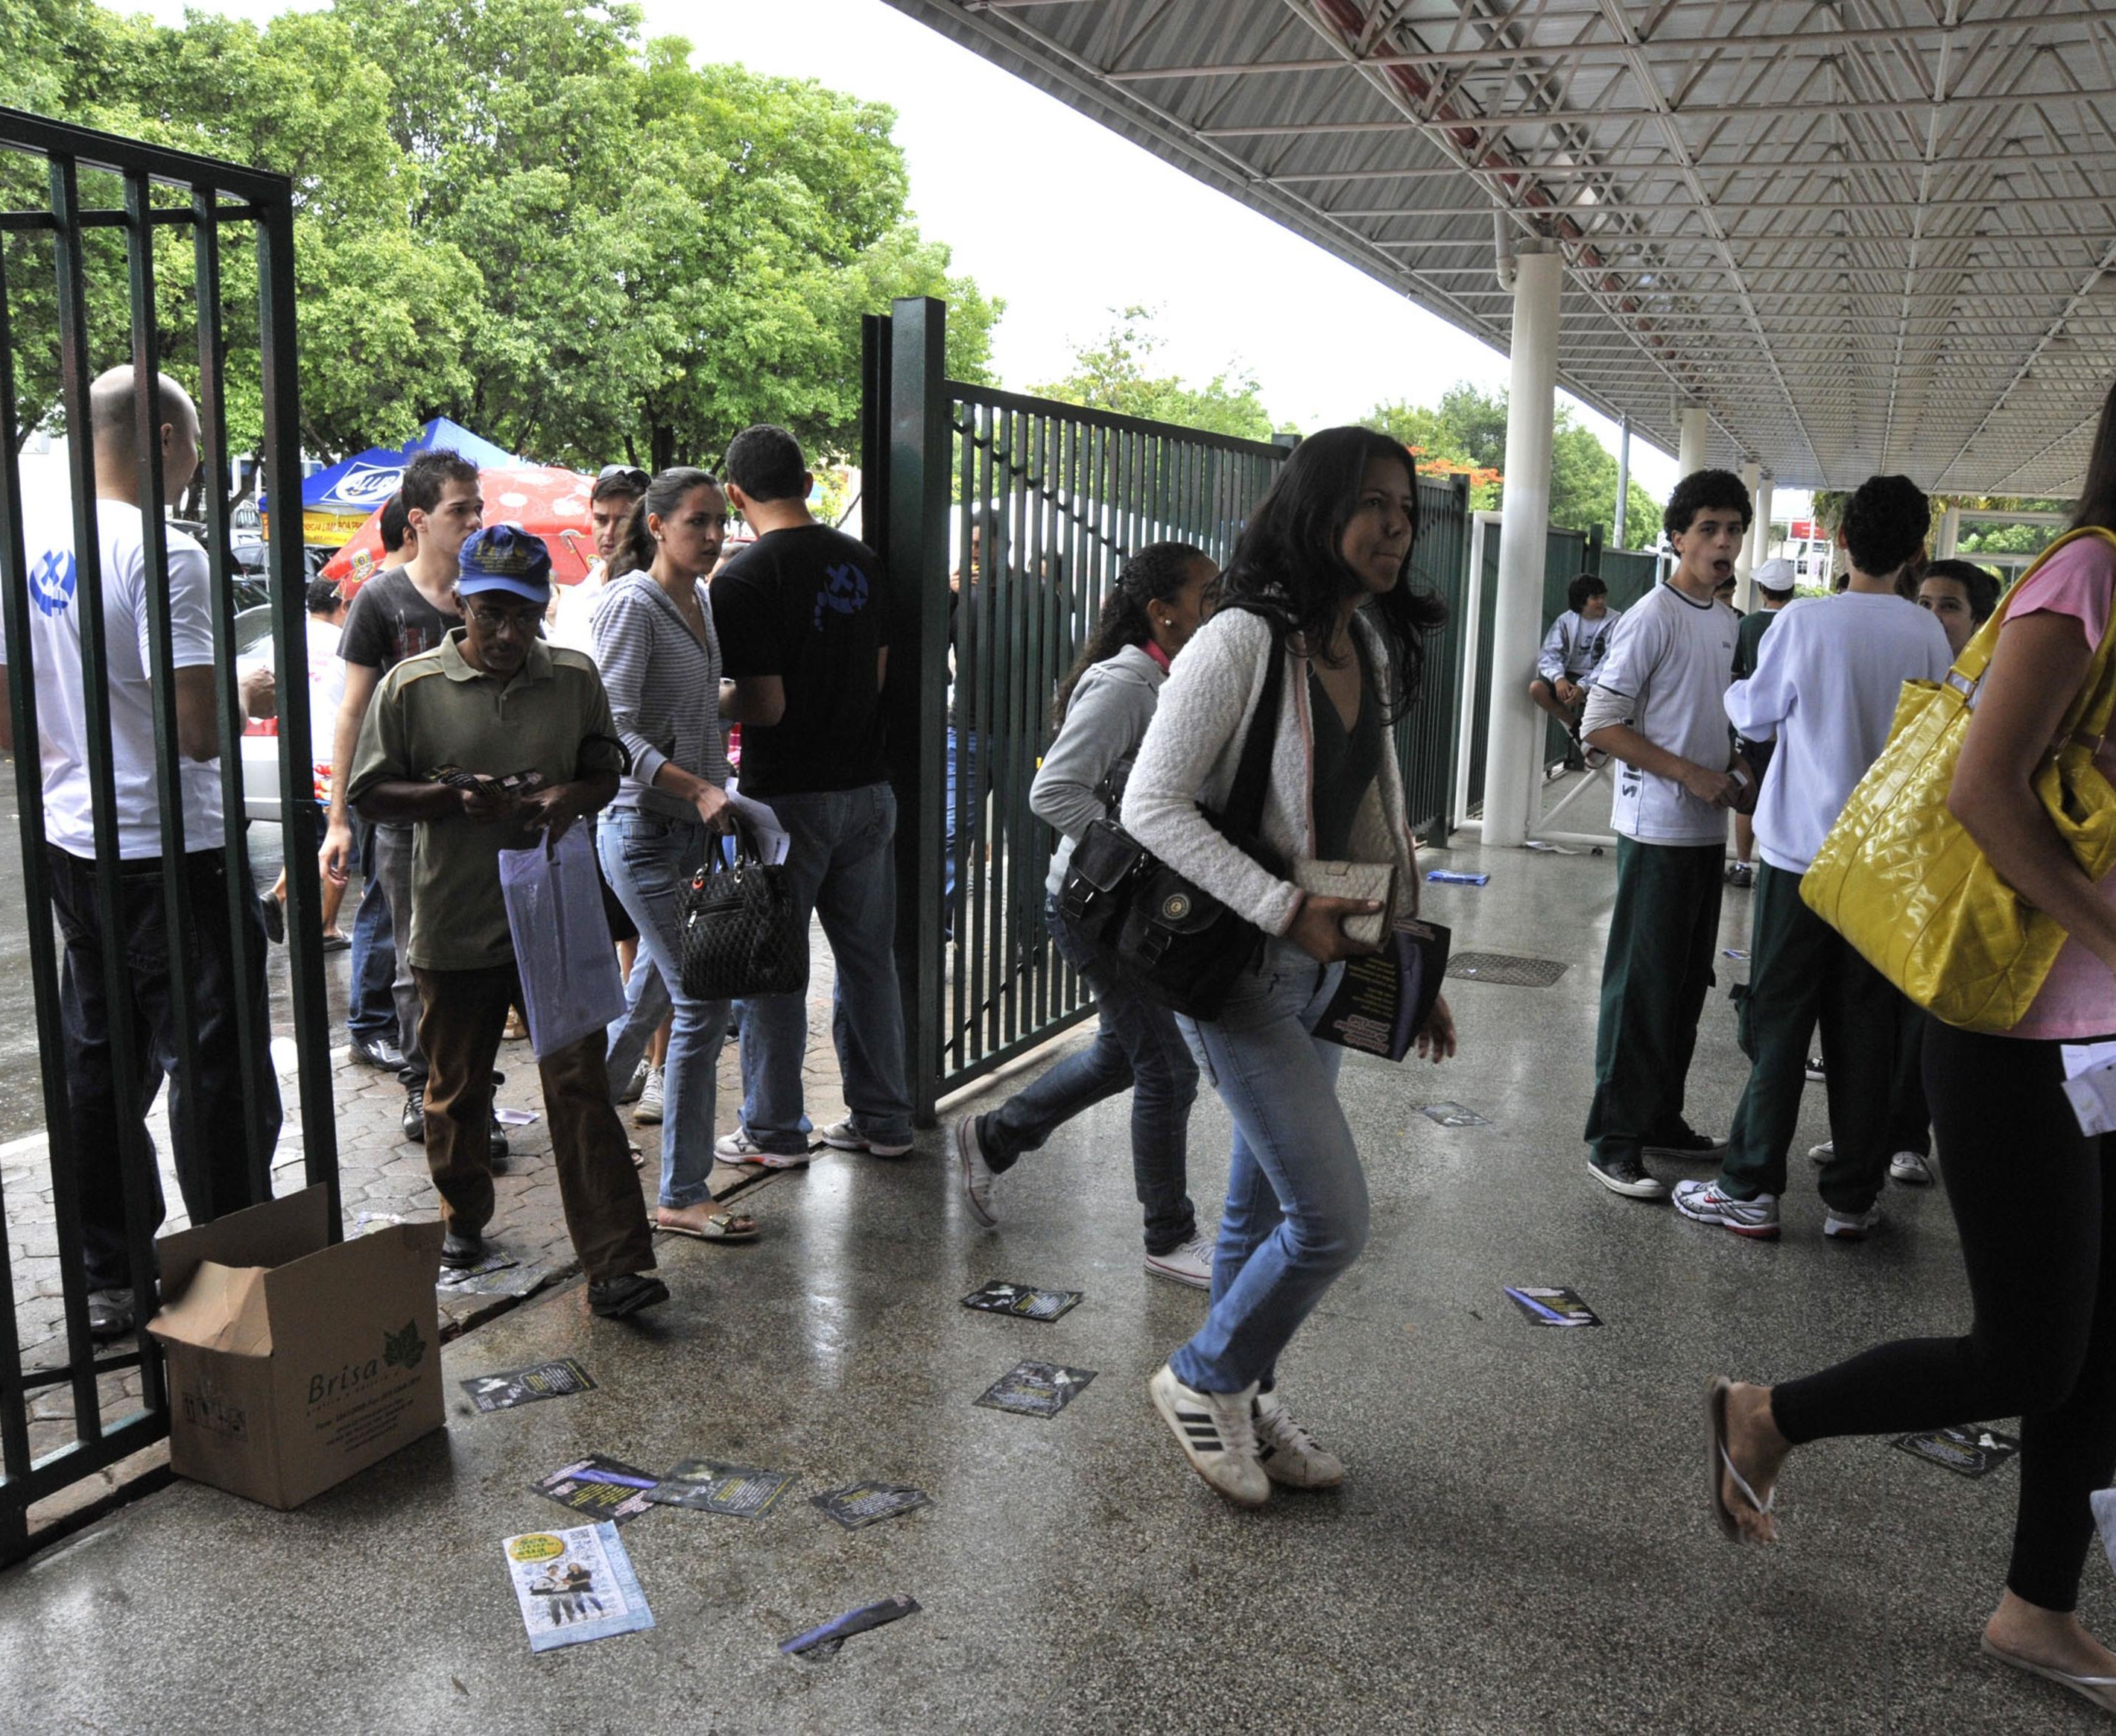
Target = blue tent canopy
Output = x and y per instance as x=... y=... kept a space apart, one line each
x=355 y=486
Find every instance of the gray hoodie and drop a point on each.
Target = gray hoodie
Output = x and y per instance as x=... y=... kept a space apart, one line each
x=1105 y=720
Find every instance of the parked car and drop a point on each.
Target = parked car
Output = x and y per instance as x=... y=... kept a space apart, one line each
x=261 y=735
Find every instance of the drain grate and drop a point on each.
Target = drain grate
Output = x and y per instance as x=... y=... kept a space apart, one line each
x=1503 y=967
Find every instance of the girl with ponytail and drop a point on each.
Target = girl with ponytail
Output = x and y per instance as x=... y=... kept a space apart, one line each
x=1104 y=706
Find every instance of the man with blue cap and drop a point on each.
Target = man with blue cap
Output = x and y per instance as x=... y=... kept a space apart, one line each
x=483 y=743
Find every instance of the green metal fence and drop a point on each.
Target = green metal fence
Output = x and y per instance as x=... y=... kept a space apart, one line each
x=1425 y=737
x=52 y=274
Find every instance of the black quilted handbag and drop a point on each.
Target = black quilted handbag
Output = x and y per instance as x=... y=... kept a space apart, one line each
x=1162 y=935
x=742 y=934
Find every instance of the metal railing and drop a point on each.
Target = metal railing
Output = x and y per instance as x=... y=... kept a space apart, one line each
x=156 y=189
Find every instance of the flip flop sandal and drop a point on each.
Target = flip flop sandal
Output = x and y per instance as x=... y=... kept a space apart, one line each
x=2101 y=1690
x=1722 y=1463
x=639 y=1157
x=720 y=1226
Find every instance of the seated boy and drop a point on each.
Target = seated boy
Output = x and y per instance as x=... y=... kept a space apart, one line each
x=1571 y=651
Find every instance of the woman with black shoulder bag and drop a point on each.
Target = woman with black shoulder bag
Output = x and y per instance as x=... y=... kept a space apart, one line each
x=1319 y=588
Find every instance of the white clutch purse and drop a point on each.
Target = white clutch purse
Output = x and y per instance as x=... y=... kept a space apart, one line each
x=1374 y=880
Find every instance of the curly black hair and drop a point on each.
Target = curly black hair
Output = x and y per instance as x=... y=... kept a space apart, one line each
x=1885 y=523
x=1701 y=488
x=1583 y=588
x=1287 y=565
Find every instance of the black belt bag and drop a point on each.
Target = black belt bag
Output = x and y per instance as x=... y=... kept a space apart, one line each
x=1157 y=933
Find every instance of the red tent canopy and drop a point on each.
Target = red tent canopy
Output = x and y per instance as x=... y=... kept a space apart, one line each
x=552 y=502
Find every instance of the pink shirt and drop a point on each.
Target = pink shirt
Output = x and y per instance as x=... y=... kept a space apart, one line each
x=2079 y=998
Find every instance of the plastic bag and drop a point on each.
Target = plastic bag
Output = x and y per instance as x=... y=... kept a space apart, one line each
x=563 y=949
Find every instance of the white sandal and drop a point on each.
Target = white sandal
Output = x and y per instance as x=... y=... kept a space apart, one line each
x=1722 y=1462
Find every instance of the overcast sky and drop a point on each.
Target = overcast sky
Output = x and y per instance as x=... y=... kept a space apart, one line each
x=1065 y=221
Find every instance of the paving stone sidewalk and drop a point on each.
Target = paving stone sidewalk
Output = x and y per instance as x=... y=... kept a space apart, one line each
x=381 y=1175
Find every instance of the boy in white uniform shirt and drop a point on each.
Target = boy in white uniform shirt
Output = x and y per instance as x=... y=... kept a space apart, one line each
x=1655 y=706
x=1828 y=677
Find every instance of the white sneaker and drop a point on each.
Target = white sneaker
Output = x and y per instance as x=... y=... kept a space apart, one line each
x=1218 y=1434
x=638 y=1082
x=738 y=1147
x=976 y=1175
x=1708 y=1203
x=1850 y=1226
x=1825 y=1152
x=1187 y=1263
x=1911 y=1168
x=844 y=1136
x=1288 y=1452
x=648 y=1114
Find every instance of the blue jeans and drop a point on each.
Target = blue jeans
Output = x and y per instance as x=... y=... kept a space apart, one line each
x=648 y=861
x=966 y=784
x=1296 y=1211
x=1138 y=1049
x=370 y=1007
x=842 y=871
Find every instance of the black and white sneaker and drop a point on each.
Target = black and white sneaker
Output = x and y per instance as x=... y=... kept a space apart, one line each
x=1815 y=1072
x=414 y=1119
x=1627 y=1176
x=1688 y=1145
x=1288 y=1452
x=1217 y=1434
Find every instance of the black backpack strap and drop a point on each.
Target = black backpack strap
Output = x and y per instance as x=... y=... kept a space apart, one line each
x=1243 y=817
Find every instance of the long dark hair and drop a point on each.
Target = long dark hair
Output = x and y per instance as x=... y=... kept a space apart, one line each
x=1287 y=567
x=2097 y=496
x=664 y=494
x=1156 y=574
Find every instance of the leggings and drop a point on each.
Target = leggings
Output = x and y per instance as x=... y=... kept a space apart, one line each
x=2036 y=1203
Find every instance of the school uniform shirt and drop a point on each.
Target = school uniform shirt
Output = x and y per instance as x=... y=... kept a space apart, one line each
x=1575 y=646
x=1828 y=677
x=55 y=610
x=435 y=711
x=1670 y=659
x=807 y=604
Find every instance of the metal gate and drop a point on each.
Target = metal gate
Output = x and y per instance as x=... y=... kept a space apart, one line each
x=68 y=1412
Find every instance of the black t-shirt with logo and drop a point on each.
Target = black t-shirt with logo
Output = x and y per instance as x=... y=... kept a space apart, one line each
x=389 y=620
x=807 y=605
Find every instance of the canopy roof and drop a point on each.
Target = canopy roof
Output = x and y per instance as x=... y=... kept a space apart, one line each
x=1869 y=235
x=360 y=484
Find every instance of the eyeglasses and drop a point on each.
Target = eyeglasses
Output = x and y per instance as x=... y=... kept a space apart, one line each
x=631 y=473
x=501 y=622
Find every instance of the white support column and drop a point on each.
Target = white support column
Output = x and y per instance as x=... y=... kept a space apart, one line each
x=1745 y=557
x=1759 y=545
x=1619 y=526
x=1696 y=425
x=1516 y=725
x=1950 y=532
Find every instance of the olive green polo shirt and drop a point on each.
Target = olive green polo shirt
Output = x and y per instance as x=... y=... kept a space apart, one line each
x=435 y=711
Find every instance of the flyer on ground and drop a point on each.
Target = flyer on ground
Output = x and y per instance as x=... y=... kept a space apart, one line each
x=604 y=1488
x=1968 y=1452
x=1025 y=1301
x=858 y=1505
x=1549 y=1305
x=503 y=1391
x=708 y=1486
x=828 y=1639
x=575 y=1584
x=1036 y=1388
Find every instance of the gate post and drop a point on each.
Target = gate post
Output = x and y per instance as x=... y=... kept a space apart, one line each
x=915 y=697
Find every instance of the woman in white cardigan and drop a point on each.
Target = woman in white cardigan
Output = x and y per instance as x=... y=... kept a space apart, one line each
x=1321 y=580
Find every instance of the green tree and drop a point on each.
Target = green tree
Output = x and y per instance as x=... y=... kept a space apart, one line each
x=1467 y=432
x=1114 y=372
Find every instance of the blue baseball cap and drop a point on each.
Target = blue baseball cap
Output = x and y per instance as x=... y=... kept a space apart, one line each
x=504 y=557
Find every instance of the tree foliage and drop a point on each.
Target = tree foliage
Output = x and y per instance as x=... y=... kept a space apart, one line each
x=1466 y=435
x=518 y=212
x=1113 y=371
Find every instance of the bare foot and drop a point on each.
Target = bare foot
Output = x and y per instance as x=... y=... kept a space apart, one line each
x=1758 y=1452
x=699 y=1220
x=2053 y=1639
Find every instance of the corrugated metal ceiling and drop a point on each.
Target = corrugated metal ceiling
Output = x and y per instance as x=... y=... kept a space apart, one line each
x=1869 y=235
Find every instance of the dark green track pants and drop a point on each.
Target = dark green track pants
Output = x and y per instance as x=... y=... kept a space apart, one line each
x=1802 y=972
x=1655 y=975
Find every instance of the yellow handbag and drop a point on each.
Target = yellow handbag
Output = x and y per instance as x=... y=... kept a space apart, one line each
x=1900 y=878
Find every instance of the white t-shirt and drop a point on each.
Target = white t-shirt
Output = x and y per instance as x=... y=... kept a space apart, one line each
x=572 y=624
x=1827 y=676
x=326 y=686
x=1671 y=657
x=62 y=713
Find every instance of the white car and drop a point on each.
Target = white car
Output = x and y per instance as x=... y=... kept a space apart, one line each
x=260 y=736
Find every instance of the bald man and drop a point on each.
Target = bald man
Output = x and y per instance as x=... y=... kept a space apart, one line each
x=109 y=1113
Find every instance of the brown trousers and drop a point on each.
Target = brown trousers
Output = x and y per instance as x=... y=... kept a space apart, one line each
x=463 y=1017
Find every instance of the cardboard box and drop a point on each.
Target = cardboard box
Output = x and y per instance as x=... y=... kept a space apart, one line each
x=294 y=1363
